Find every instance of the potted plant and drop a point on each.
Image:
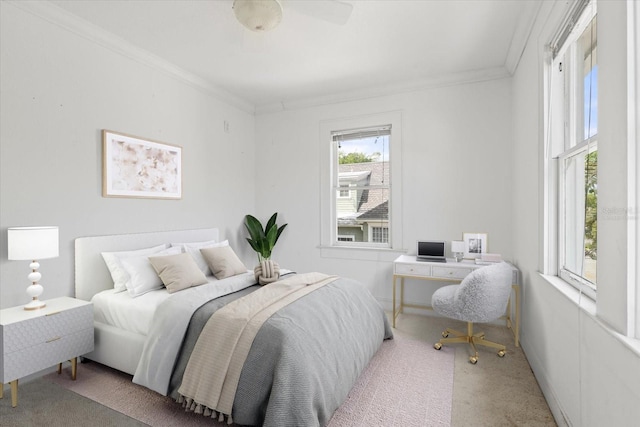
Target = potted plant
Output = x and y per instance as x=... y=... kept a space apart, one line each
x=263 y=240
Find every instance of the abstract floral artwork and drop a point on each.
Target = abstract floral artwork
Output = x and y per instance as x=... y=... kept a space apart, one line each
x=135 y=167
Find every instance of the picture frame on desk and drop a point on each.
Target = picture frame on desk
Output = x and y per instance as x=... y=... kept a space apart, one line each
x=475 y=244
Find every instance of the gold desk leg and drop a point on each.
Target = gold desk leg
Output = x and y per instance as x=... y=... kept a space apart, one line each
x=14 y=393
x=74 y=368
x=59 y=368
x=397 y=309
x=394 y=302
x=1 y=390
x=517 y=331
x=402 y=294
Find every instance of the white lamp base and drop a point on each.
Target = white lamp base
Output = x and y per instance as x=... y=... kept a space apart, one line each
x=35 y=290
x=35 y=305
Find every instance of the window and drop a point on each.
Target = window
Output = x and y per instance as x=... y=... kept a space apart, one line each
x=380 y=234
x=361 y=185
x=361 y=163
x=573 y=138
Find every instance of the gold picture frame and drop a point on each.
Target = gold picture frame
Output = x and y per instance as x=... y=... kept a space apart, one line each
x=475 y=244
x=140 y=168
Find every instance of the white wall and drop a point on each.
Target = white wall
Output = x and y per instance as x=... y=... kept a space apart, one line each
x=471 y=163
x=58 y=90
x=456 y=176
x=589 y=374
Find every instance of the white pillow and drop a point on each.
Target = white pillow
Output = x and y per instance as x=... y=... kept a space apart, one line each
x=194 y=250
x=118 y=273
x=142 y=276
x=195 y=244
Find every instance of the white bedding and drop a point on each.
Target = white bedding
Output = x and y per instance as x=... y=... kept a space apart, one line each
x=119 y=309
x=123 y=311
x=118 y=346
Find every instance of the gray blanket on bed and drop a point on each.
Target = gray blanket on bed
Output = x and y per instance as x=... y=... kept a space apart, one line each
x=305 y=359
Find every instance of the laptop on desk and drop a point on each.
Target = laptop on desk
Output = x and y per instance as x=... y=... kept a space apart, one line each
x=430 y=250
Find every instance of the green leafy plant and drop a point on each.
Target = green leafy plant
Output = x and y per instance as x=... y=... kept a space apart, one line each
x=262 y=240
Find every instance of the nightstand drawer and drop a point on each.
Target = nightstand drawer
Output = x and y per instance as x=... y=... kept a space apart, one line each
x=413 y=269
x=24 y=362
x=39 y=330
x=451 y=273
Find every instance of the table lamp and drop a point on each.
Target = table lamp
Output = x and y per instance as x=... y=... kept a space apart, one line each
x=457 y=247
x=32 y=243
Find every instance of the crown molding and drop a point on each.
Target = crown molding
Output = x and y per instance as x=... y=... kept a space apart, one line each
x=520 y=38
x=60 y=17
x=453 y=79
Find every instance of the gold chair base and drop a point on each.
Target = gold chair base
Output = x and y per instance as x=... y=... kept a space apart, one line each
x=472 y=339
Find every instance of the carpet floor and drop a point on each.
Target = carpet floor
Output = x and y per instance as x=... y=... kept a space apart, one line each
x=407 y=383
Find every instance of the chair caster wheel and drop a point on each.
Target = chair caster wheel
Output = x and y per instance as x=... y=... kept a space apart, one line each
x=437 y=346
x=501 y=353
x=445 y=334
x=473 y=360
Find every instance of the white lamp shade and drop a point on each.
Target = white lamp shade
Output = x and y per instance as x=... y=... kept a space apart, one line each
x=258 y=15
x=457 y=246
x=32 y=243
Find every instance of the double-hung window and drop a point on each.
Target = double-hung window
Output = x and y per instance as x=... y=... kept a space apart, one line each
x=361 y=163
x=361 y=185
x=573 y=144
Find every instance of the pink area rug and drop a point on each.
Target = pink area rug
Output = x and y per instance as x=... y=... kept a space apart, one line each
x=407 y=383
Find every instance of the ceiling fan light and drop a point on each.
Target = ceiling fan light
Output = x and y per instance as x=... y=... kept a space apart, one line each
x=258 y=15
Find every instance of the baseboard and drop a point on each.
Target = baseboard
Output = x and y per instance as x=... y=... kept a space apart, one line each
x=545 y=386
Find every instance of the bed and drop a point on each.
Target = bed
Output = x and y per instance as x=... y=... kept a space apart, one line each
x=298 y=366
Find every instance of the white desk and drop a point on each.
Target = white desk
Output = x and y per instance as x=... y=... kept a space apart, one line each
x=408 y=266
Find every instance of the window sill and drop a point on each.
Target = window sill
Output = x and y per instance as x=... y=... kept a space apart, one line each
x=588 y=305
x=579 y=299
x=360 y=253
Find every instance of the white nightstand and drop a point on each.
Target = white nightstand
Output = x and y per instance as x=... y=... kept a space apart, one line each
x=33 y=340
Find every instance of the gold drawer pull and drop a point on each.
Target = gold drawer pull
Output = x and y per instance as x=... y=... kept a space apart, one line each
x=52 y=314
x=53 y=339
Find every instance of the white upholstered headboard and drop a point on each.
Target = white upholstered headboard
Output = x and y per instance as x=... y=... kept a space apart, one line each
x=92 y=275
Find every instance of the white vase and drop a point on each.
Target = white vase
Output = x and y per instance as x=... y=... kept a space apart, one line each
x=268 y=271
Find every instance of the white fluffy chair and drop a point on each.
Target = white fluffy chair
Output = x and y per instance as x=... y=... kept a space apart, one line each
x=481 y=297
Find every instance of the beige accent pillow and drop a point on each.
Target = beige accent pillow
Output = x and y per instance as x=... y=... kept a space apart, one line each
x=223 y=261
x=177 y=272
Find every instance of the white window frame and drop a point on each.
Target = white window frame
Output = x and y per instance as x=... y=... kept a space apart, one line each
x=633 y=301
x=559 y=146
x=575 y=280
x=328 y=230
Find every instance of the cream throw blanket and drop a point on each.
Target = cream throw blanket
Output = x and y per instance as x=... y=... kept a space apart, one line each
x=213 y=372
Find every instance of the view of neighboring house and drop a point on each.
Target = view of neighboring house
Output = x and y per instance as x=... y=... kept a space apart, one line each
x=363 y=206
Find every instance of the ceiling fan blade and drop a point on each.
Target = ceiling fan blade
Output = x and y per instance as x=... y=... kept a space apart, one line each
x=333 y=11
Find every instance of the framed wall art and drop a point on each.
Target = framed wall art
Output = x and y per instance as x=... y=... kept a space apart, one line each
x=475 y=244
x=137 y=167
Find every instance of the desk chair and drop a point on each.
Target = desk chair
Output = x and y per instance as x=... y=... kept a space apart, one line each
x=481 y=297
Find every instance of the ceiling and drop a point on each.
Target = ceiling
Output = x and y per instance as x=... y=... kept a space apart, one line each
x=385 y=45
